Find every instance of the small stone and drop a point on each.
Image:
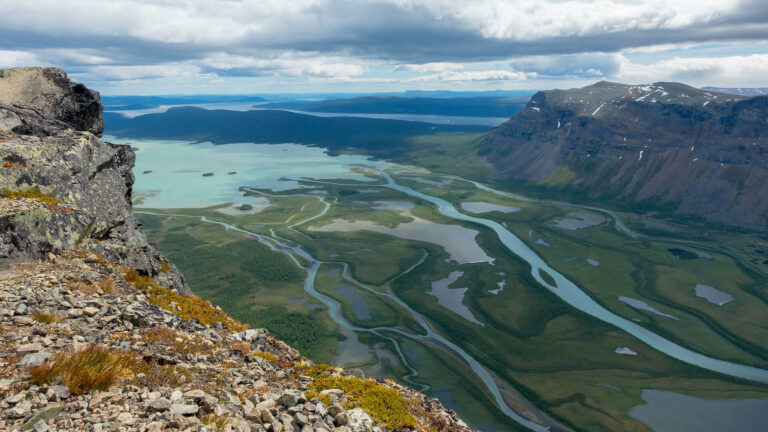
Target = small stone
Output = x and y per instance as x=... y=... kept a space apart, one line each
x=90 y=311
x=125 y=418
x=22 y=409
x=358 y=419
x=266 y=404
x=21 y=309
x=16 y=398
x=176 y=395
x=29 y=348
x=195 y=394
x=341 y=419
x=34 y=359
x=160 y=404
x=267 y=417
x=288 y=400
x=155 y=426
x=301 y=419
x=335 y=410
x=62 y=392
x=182 y=409
x=40 y=426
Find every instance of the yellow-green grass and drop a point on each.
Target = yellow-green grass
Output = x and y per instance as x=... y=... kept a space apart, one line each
x=384 y=404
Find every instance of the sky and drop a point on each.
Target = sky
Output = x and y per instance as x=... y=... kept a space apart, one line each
x=309 y=46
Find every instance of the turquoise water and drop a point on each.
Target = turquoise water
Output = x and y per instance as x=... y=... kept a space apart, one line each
x=177 y=167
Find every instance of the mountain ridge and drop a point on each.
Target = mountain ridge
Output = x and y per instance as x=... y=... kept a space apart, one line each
x=664 y=145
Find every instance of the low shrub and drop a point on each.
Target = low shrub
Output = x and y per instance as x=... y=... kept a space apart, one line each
x=266 y=356
x=382 y=403
x=186 y=307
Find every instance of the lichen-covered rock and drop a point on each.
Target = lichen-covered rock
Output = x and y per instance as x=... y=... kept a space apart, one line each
x=65 y=187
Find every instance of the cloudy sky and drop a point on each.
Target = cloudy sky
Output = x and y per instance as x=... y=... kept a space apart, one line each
x=280 y=46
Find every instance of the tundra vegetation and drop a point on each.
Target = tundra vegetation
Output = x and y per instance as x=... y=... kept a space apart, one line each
x=559 y=358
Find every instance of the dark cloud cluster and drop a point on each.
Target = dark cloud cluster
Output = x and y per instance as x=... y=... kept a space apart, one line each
x=314 y=38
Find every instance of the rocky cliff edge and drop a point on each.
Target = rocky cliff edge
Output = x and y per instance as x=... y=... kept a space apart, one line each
x=98 y=332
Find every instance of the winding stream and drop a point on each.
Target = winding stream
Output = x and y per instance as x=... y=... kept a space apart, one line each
x=574 y=296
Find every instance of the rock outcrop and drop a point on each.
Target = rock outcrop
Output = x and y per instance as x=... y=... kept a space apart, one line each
x=660 y=146
x=43 y=101
x=98 y=331
x=62 y=186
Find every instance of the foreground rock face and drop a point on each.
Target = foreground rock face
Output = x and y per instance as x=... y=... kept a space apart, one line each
x=79 y=281
x=86 y=182
x=664 y=145
x=181 y=374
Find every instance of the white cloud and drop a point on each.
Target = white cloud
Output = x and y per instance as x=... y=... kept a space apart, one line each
x=526 y=20
x=287 y=64
x=121 y=73
x=488 y=75
x=10 y=59
x=730 y=71
x=577 y=66
x=429 y=67
x=222 y=22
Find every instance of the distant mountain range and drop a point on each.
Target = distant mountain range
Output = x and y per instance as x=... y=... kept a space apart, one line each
x=739 y=91
x=125 y=103
x=457 y=106
x=665 y=146
x=274 y=126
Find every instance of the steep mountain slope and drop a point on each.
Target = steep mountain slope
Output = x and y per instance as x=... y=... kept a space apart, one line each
x=664 y=145
x=98 y=331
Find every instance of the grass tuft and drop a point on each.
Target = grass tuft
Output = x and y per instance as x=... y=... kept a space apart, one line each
x=107 y=285
x=94 y=368
x=214 y=422
x=46 y=318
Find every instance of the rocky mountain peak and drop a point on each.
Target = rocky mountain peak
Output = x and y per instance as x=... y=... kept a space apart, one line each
x=43 y=101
